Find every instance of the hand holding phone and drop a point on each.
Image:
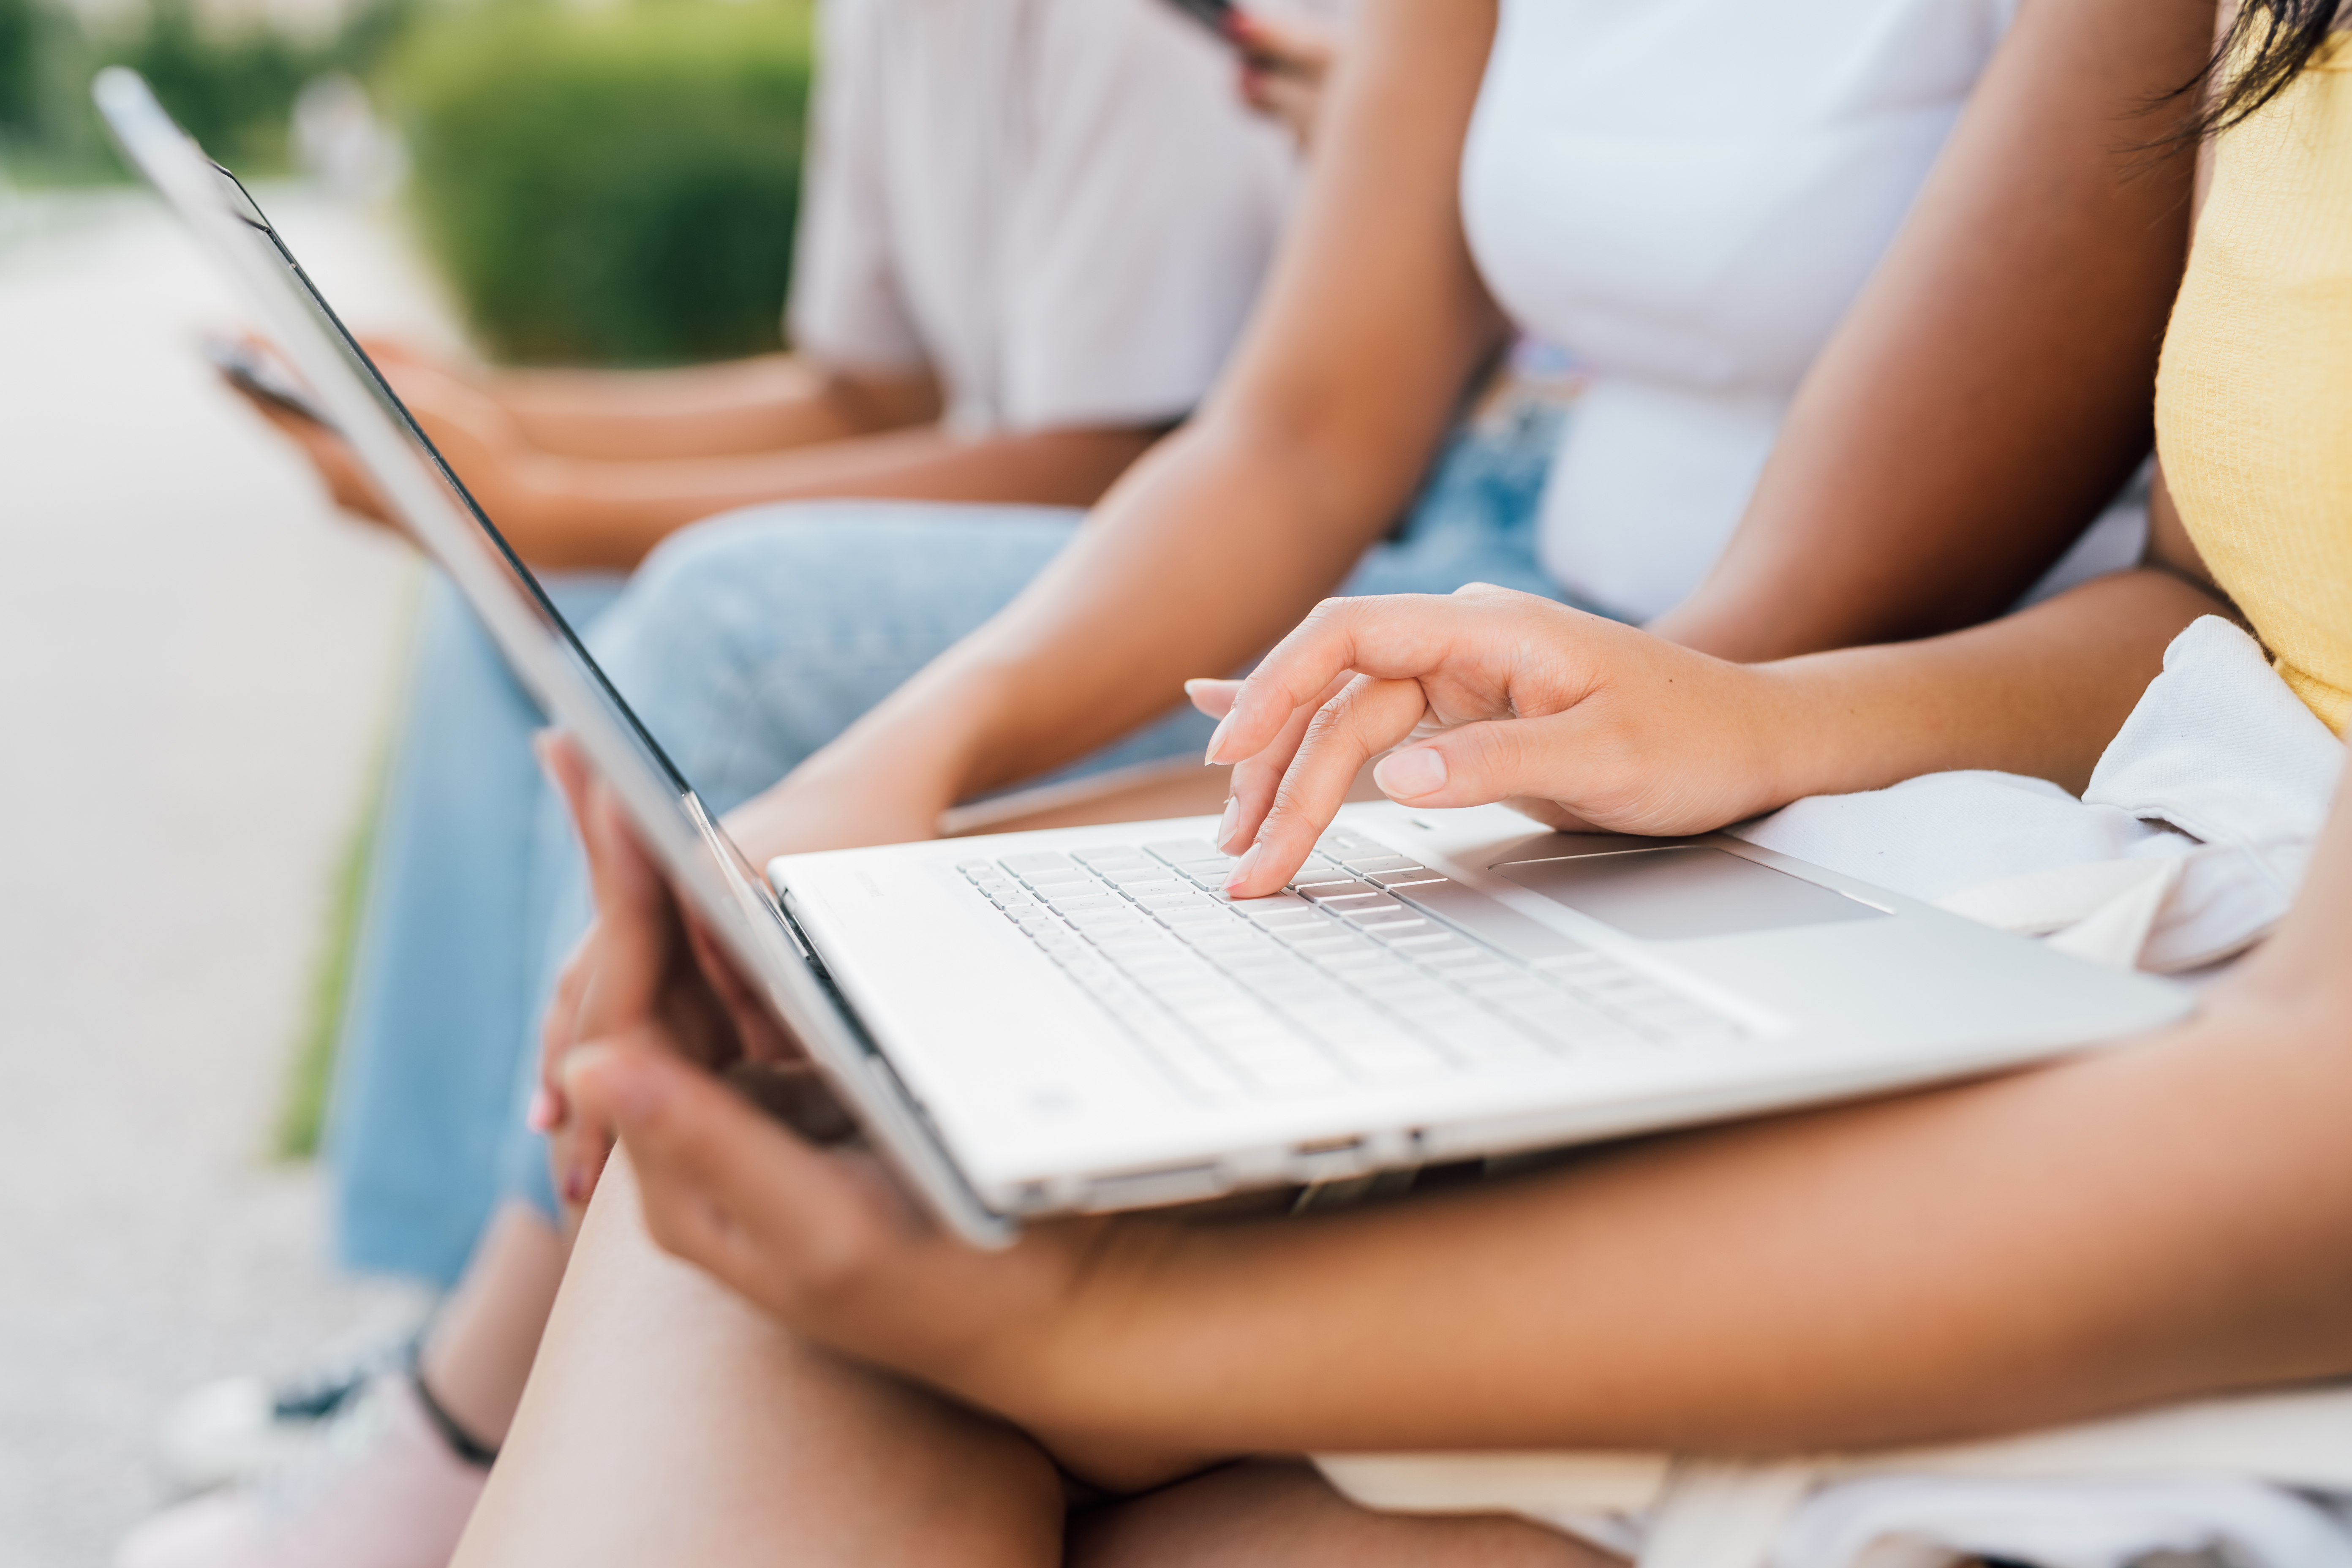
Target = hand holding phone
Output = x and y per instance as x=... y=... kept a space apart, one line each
x=1217 y=15
x=249 y=366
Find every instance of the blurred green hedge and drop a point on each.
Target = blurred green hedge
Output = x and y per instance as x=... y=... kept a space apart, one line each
x=20 y=66
x=610 y=187
x=231 y=85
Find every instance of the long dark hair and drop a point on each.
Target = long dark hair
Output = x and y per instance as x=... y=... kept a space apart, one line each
x=2271 y=42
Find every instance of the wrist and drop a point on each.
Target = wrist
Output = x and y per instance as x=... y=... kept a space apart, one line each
x=1791 y=742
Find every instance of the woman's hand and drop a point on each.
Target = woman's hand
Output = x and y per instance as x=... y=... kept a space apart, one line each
x=1286 y=61
x=1488 y=695
x=645 y=959
x=823 y=1238
x=477 y=438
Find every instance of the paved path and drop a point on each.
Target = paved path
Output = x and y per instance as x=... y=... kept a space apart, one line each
x=196 y=657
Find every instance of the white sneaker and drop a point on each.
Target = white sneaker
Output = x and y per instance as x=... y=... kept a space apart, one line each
x=379 y=1487
x=240 y=1427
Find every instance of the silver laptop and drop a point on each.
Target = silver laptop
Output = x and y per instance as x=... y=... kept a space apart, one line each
x=1078 y=1020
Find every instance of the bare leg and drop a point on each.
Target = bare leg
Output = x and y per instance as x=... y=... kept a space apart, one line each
x=667 y=1421
x=1276 y=1514
x=480 y=1349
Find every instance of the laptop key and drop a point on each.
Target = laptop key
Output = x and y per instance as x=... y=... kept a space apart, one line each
x=1266 y=905
x=1195 y=912
x=1401 y=878
x=1038 y=860
x=1369 y=909
x=1085 y=911
x=1438 y=951
x=1346 y=841
x=1102 y=854
x=1176 y=851
x=1365 y=865
x=1141 y=872
x=1476 y=977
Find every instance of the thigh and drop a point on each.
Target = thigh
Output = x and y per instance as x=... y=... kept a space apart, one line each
x=1282 y=1514
x=668 y=1421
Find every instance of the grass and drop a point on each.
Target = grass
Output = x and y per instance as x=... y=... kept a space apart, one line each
x=302 y=1110
x=311 y=1071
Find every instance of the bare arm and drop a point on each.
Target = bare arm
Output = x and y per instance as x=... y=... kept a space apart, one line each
x=2150 y=1222
x=1371 y=324
x=761 y=405
x=1991 y=388
x=764 y=403
x=568 y=510
x=590 y=511
x=1586 y=724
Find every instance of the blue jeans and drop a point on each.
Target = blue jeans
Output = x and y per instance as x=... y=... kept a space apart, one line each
x=745 y=644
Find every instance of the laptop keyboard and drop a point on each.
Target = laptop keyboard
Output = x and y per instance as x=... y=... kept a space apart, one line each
x=1344 y=976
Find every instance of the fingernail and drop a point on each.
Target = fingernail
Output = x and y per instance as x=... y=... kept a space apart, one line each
x=575 y=1185
x=1243 y=867
x=545 y=1110
x=1217 y=735
x=1411 y=773
x=1227 y=822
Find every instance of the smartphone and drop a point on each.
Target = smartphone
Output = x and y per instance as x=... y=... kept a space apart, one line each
x=1217 y=15
x=259 y=375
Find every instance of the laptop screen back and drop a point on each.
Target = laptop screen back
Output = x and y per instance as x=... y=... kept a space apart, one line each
x=702 y=865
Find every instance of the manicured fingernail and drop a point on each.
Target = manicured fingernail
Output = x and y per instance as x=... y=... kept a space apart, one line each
x=575 y=1185
x=1411 y=773
x=1243 y=867
x=545 y=1110
x=1226 y=823
x=1217 y=735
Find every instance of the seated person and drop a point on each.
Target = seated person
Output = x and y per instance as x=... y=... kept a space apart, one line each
x=749 y=641
x=849 y=1384
x=1122 y=242
x=976 y=315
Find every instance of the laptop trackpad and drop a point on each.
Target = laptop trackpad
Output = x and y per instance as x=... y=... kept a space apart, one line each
x=1683 y=890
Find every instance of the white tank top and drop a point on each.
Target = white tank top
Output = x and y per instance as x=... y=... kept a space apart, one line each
x=1687 y=194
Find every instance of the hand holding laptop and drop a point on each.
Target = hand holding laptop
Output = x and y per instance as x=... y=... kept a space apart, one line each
x=655 y=976
x=823 y=1238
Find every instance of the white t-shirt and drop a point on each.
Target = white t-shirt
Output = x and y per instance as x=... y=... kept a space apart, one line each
x=1061 y=206
x=1687 y=194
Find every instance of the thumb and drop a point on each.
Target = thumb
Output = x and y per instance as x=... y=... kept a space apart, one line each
x=1474 y=765
x=722 y=1185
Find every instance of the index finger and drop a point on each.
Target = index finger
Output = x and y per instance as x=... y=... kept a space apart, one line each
x=1398 y=637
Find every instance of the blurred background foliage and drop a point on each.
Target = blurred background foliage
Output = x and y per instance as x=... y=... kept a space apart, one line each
x=617 y=187
x=614 y=185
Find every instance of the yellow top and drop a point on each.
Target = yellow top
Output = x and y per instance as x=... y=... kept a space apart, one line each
x=2253 y=395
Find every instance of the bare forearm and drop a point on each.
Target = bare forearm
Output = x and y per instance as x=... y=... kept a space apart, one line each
x=1371 y=324
x=2114 y=1231
x=1104 y=639
x=2040 y=693
x=742 y=407
x=604 y=513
